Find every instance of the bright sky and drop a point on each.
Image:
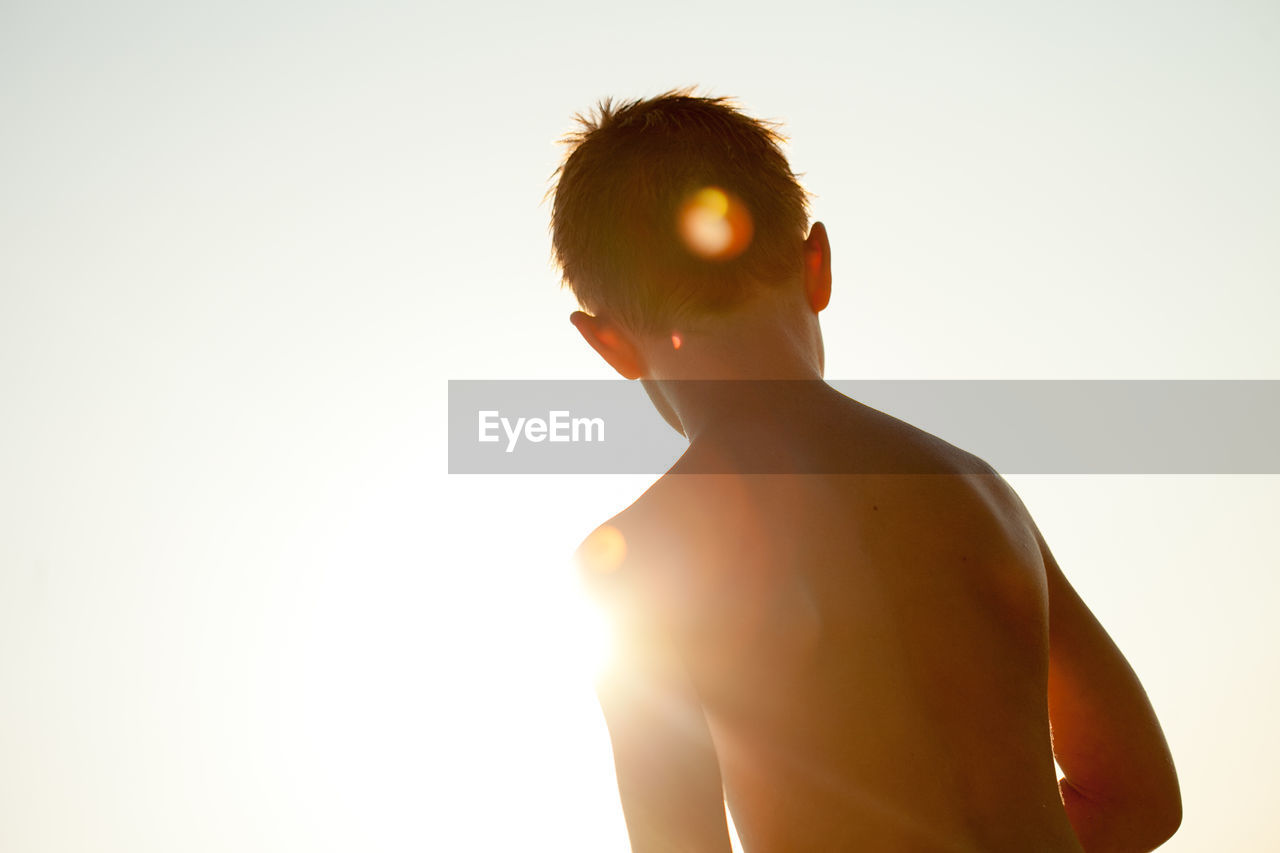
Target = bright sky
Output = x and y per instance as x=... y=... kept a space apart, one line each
x=244 y=245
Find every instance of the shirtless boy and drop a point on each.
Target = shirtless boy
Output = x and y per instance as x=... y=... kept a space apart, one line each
x=846 y=629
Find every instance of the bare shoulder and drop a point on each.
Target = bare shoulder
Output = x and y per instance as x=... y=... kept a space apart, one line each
x=629 y=567
x=619 y=562
x=963 y=486
x=962 y=525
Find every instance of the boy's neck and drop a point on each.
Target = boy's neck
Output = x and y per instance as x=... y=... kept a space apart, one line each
x=738 y=369
x=718 y=410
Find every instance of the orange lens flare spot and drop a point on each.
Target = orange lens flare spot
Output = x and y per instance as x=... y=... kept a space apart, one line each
x=604 y=550
x=676 y=340
x=715 y=224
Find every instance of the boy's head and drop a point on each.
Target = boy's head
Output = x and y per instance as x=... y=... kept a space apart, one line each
x=673 y=208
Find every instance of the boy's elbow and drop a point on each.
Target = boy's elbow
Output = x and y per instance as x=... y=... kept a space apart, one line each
x=1164 y=807
x=1136 y=823
x=1153 y=829
x=1166 y=817
x=1159 y=817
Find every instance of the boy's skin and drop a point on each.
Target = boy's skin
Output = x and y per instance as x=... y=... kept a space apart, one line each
x=851 y=661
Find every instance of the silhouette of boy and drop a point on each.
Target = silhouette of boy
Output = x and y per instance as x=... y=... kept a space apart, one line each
x=845 y=628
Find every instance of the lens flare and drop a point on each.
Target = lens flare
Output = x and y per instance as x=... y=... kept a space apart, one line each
x=715 y=224
x=604 y=550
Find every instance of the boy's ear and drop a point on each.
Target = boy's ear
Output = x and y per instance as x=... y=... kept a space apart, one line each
x=614 y=345
x=817 y=267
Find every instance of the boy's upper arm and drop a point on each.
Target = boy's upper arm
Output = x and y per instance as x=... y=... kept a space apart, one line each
x=1106 y=736
x=667 y=769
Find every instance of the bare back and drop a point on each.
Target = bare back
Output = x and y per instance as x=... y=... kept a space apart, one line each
x=870 y=651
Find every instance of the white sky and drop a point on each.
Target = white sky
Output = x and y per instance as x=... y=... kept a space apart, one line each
x=244 y=245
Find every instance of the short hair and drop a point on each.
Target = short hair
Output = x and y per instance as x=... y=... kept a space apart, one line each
x=630 y=171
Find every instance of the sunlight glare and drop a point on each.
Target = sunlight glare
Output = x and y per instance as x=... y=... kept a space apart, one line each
x=588 y=640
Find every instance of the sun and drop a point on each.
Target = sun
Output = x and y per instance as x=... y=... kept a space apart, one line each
x=578 y=635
